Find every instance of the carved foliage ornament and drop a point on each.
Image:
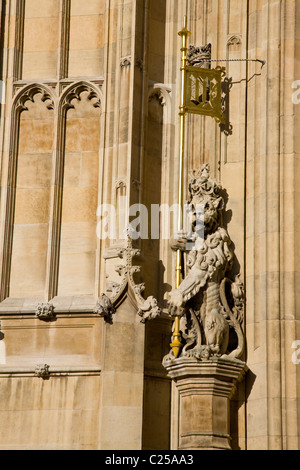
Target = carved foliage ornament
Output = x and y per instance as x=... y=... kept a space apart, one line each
x=209 y=303
x=108 y=303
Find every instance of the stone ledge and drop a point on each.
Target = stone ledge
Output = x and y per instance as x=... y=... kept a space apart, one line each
x=54 y=371
x=225 y=368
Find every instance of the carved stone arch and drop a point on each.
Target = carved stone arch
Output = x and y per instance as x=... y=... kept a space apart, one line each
x=24 y=95
x=28 y=93
x=70 y=93
x=234 y=40
x=75 y=90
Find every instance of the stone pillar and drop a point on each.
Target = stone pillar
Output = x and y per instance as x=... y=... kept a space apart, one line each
x=205 y=390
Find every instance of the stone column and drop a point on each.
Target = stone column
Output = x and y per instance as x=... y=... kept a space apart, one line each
x=205 y=390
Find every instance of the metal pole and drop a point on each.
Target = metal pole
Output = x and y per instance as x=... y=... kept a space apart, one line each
x=184 y=34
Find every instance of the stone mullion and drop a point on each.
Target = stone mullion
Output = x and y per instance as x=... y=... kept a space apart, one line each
x=263 y=313
x=289 y=171
x=102 y=191
x=58 y=163
x=254 y=334
x=19 y=40
x=267 y=365
x=10 y=205
x=64 y=38
x=141 y=76
x=15 y=13
x=272 y=236
x=172 y=119
x=296 y=205
x=56 y=204
x=121 y=67
x=135 y=121
x=5 y=116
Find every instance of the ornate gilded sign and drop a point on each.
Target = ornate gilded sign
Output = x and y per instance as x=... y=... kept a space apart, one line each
x=204 y=92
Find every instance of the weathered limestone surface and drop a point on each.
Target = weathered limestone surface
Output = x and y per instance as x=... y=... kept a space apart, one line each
x=91 y=116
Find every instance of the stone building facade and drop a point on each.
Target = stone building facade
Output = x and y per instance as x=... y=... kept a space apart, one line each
x=89 y=115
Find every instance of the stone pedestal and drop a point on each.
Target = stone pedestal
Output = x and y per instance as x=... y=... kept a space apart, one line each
x=205 y=390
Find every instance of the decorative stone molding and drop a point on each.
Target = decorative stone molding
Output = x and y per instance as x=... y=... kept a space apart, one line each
x=235 y=40
x=75 y=91
x=107 y=304
x=160 y=92
x=158 y=95
x=42 y=371
x=121 y=184
x=125 y=62
x=45 y=312
x=105 y=309
x=56 y=371
x=28 y=93
x=66 y=84
x=209 y=303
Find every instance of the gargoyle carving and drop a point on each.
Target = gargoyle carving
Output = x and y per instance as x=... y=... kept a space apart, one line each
x=209 y=304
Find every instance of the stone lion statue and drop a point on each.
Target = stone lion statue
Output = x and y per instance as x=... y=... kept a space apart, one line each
x=209 y=303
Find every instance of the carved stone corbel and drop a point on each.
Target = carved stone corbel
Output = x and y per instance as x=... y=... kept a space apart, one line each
x=105 y=309
x=42 y=371
x=45 y=312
